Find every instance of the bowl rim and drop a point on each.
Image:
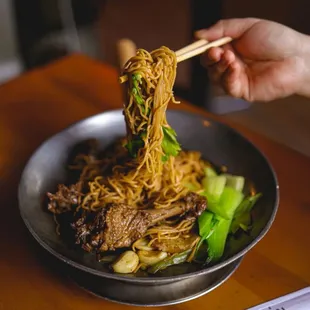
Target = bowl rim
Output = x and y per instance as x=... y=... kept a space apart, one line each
x=151 y=280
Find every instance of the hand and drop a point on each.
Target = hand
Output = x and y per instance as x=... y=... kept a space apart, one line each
x=265 y=60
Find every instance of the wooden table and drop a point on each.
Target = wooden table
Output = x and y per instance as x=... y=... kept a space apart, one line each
x=42 y=102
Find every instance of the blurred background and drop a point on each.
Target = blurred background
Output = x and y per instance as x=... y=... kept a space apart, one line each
x=36 y=32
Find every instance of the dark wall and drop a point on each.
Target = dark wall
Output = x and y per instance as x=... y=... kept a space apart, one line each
x=37 y=19
x=293 y=13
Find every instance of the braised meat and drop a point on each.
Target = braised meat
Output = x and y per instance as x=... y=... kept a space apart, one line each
x=64 y=198
x=194 y=204
x=119 y=225
x=123 y=225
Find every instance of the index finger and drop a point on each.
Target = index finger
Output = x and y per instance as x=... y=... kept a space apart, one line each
x=233 y=28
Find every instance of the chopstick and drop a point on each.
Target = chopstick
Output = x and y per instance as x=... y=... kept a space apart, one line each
x=190 y=47
x=192 y=50
x=201 y=49
x=125 y=50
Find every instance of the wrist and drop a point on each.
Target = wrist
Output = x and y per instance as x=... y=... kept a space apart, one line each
x=304 y=83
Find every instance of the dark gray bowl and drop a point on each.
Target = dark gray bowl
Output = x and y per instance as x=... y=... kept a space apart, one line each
x=218 y=143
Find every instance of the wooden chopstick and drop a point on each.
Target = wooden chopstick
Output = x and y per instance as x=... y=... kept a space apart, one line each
x=192 y=50
x=190 y=47
x=201 y=49
x=125 y=50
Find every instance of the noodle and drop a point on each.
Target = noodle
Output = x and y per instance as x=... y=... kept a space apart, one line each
x=147 y=175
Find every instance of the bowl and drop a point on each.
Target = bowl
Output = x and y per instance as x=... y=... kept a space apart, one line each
x=217 y=142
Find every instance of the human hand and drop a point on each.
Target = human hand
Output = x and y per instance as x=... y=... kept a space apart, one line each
x=265 y=60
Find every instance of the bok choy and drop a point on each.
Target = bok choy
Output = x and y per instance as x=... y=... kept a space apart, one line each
x=228 y=211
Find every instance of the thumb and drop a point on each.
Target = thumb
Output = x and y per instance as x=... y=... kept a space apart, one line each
x=233 y=28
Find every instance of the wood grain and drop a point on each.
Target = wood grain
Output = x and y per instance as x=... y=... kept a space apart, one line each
x=42 y=102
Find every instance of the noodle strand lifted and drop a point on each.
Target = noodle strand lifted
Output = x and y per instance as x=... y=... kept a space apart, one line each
x=150 y=173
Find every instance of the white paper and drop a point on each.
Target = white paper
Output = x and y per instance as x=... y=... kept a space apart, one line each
x=299 y=300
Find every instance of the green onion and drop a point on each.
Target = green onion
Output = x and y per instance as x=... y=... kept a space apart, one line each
x=175 y=259
x=135 y=91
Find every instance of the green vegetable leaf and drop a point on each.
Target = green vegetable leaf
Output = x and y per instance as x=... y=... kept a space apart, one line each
x=226 y=205
x=242 y=217
x=235 y=181
x=247 y=204
x=217 y=240
x=210 y=172
x=138 y=99
x=207 y=222
x=134 y=145
x=135 y=91
x=170 y=144
x=214 y=187
x=164 y=158
x=243 y=221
